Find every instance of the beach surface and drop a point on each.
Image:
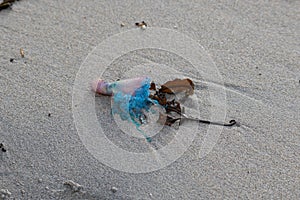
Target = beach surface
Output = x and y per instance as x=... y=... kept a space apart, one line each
x=255 y=47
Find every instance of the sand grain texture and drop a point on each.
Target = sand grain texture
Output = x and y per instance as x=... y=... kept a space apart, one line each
x=255 y=46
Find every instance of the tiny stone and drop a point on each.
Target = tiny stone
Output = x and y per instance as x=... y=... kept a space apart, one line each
x=11 y=60
x=114 y=189
x=175 y=27
x=143 y=27
x=20 y=183
x=5 y=193
x=40 y=180
x=150 y=194
x=49 y=114
x=73 y=186
x=22 y=53
x=259 y=74
x=23 y=191
x=122 y=24
x=47 y=188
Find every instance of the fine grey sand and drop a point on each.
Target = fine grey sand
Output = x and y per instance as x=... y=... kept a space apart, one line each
x=255 y=47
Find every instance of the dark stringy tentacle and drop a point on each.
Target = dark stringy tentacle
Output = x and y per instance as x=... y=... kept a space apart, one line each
x=231 y=122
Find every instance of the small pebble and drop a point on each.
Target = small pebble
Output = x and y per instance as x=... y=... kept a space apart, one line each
x=40 y=180
x=11 y=60
x=114 y=189
x=49 y=114
x=20 y=183
x=23 y=191
x=22 y=52
x=47 y=188
x=259 y=74
x=75 y=187
x=142 y=25
x=5 y=193
x=122 y=24
x=2 y=147
x=175 y=27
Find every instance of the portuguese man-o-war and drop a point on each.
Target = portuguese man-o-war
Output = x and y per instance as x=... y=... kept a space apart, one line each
x=132 y=100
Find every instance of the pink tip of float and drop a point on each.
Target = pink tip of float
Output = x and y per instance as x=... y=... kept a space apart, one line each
x=95 y=85
x=127 y=86
x=100 y=87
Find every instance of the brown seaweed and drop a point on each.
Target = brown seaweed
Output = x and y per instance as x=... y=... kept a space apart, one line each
x=174 y=112
x=178 y=85
x=152 y=86
x=171 y=106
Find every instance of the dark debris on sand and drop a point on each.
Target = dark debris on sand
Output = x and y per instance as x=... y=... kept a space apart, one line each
x=6 y=4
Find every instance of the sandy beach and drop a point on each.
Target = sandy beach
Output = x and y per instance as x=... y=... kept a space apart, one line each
x=247 y=68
